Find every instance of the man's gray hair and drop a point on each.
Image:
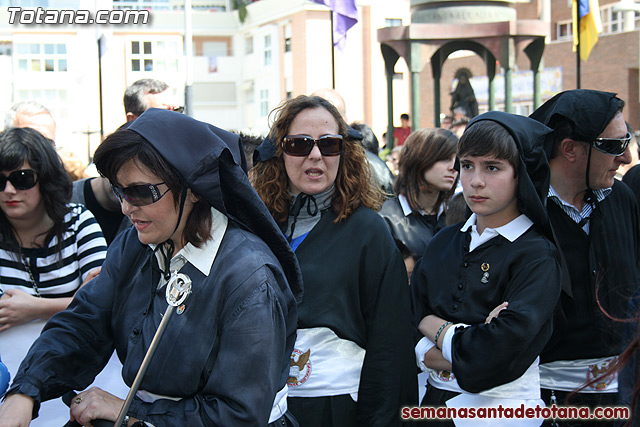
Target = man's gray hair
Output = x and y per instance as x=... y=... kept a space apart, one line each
x=29 y=108
x=135 y=96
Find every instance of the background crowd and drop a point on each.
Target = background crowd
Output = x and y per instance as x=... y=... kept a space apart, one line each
x=493 y=261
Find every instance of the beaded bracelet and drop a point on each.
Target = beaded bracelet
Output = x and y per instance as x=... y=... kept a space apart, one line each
x=444 y=325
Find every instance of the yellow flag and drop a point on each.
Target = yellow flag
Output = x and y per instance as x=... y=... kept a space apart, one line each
x=590 y=26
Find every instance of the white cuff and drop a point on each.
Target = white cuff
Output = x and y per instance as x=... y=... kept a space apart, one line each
x=423 y=346
x=446 y=340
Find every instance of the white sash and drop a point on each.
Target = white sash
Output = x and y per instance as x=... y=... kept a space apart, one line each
x=278 y=409
x=324 y=365
x=523 y=390
x=569 y=375
x=525 y=387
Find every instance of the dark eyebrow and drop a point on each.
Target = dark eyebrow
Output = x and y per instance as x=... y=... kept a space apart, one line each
x=495 y=162
x=489 y=161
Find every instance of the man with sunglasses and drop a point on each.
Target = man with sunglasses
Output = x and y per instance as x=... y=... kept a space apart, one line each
x=596 y=222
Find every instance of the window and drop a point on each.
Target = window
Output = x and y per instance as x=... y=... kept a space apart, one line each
x=564 y=30
x=267 y=50
x=248 y=45
x=41 y=57
x=392 y=22
x=5 y=48
x=264 y=102
x=158 y=55
x=611 y=21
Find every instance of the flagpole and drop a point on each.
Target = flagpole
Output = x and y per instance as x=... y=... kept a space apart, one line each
x=578 y=47
x=333 y=55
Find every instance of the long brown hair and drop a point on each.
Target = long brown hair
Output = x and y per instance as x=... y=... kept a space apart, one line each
x=353 y=185
x=422 y=149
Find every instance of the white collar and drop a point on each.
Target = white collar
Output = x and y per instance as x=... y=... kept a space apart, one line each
x=406 y=209
x=404 y=204
x=202 y=258
x=510 y=231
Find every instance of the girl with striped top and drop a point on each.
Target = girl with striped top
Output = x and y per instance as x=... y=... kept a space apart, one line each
x=48 y=247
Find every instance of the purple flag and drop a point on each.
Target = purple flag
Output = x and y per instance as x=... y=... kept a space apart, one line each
x=345 y=16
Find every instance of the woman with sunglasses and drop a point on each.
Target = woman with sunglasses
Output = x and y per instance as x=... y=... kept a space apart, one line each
x=425 y=183
x=223 y=358
x=48 y=247
x=352 y=360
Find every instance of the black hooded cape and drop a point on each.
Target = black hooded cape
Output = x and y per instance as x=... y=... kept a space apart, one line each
x=227 y=354
x=603 y=265
x=588 y=111
x=448 y=280
x=213 y=174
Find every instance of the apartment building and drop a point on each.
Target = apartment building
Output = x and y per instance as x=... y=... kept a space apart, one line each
x=239 y=71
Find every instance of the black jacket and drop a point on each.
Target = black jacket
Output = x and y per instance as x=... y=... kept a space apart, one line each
x=526 y=273
x=228 y=353
x=415 y=230
x=604 y=275
x=356 y=285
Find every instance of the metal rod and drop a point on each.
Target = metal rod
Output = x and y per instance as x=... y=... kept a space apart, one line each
x=333 y=55
x=578 y=46
x=145 y=364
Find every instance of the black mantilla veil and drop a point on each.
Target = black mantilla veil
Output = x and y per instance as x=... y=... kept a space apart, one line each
x=588 y=112
x=534 y=143
x=209 y=160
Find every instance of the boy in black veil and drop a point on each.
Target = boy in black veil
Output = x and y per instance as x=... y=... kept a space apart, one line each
x=484 y=292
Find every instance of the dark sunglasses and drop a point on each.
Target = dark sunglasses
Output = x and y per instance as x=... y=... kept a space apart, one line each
x=139 y=195
x=22 y=179
x=178 y=109
x=612 y=146
x=301 y=146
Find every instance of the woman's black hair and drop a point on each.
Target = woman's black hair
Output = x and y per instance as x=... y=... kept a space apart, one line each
x=124 y=145
x=18 y=145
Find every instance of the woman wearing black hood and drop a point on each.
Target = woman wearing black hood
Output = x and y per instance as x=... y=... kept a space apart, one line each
x=484 y=292
x=224 y=356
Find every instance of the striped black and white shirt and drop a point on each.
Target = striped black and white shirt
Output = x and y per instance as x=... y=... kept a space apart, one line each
x=57 y=274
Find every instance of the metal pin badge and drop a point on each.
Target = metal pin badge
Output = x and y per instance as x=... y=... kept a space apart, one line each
x=178 y=289
x=485 y=276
